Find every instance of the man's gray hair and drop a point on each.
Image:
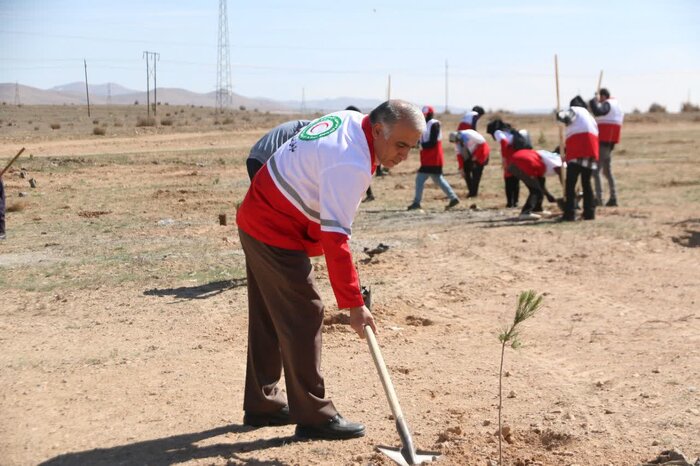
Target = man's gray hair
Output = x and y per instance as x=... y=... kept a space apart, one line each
x=391 y=111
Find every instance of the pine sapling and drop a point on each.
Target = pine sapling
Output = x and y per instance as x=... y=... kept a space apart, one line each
x=528 y=304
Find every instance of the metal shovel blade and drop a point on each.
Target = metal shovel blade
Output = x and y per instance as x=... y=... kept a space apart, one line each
x=419 y=457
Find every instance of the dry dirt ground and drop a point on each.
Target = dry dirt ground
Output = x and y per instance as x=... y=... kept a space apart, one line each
x=123 y=306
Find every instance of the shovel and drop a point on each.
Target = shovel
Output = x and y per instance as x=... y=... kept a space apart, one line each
x=407 y=454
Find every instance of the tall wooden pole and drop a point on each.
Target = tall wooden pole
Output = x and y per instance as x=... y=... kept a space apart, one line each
x=600 y=82
x=87 y=92
x=561 y=130
x=155 y=84
x=148 y=84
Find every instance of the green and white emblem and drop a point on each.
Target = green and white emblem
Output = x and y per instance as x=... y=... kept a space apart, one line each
x=320 y=128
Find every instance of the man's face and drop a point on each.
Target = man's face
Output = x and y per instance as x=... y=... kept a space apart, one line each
x=393 y=150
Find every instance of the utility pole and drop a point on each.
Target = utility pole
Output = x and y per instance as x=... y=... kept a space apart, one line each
x=447 y=110
x=109 y=93
x=17 y=102
x=148 y=82
x=388 y=88
x=154 y=56
x=224 y=89
x=87 y=92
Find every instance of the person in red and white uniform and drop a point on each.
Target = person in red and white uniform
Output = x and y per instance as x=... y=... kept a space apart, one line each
x=510 y=140
x=470 y=118
x=474 y=152
x=432 y=159
x=531 y=167
x=581 y=157
x=609 y=116
x=300 y=204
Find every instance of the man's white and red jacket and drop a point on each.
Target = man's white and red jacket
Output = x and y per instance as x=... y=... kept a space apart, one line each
x=306 y=196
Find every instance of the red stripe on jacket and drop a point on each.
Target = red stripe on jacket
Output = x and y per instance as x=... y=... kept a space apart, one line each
x=609 y=132
x=582 y=145
x=463 y=125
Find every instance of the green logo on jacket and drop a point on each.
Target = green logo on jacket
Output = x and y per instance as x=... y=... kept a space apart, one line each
x=320 y=128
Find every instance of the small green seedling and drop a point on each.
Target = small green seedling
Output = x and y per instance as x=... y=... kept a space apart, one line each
x=528 y=304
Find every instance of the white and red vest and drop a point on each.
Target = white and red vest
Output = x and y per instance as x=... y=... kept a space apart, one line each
x=306 y=196
x=582 y=136
x=505 y=139
x=432 y=157
x=476 y=144
x=610 y=124
x=530 y=162
x=551 y=161
x=467 y=121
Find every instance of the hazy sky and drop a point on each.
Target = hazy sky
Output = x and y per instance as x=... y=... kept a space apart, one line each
x=500 y=53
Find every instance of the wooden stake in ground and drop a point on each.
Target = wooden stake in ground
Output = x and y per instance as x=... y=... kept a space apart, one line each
x=7 y=167
x=562 y=175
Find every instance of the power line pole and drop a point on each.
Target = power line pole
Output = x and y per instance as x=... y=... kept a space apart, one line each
x=447 y=110
x=156 y=57
x=148 y=83
x=388 y=88
x=17 y=102
x=150 y=56
x=109 y=93
x=224 y=89
x=87 y=92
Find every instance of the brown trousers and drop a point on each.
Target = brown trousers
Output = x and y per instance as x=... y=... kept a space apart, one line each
x=285 y=315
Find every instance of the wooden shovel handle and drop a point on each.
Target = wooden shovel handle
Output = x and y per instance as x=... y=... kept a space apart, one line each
x=383 y=373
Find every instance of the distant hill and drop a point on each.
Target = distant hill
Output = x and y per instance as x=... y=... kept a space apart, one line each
x=95 y=89
x=74 y=94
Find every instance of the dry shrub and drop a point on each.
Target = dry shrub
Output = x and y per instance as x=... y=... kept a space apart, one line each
x=95 y=121
x=17 y=206
x=99 y=131
x=55 y=126
x=166 y=122
x=118 y=124
x=228 y=120
x=687 y=107
x=145 y=121
x=657 y=108
x=36 y=128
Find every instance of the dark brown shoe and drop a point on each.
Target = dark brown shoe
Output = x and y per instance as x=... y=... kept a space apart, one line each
x=279 y=418
x=337 y=428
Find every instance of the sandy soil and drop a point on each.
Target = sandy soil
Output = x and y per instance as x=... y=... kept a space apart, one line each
x=123 y=309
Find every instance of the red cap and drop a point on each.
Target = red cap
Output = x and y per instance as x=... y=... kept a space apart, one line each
x=428 y=109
